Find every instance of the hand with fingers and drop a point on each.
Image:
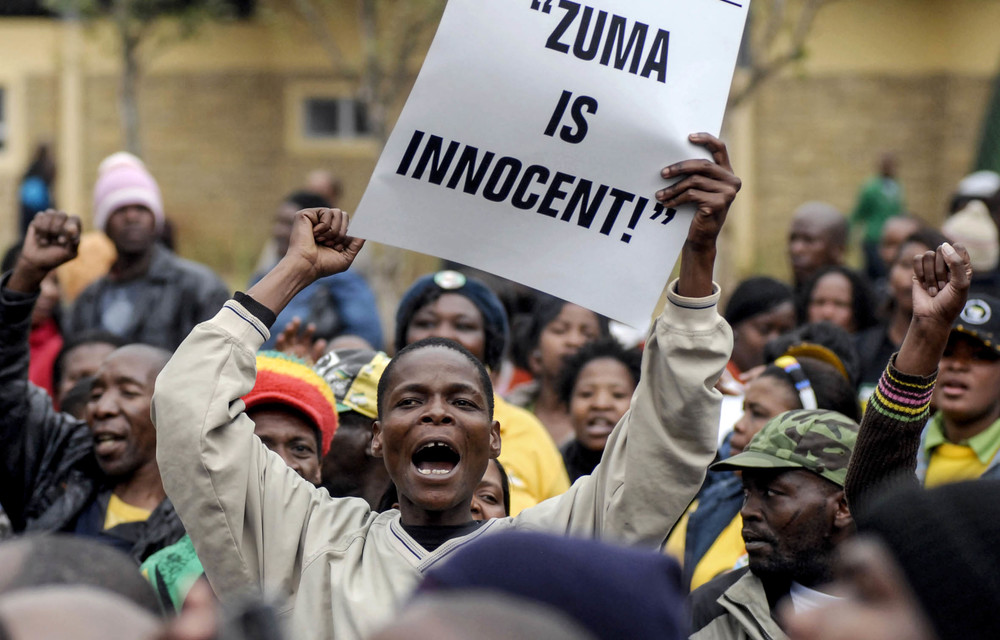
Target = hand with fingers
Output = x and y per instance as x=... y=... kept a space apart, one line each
x=52 y=240
x=300 y=342
x=319 y=239
x=941 y=281
x=319 y=246
x=711 y=186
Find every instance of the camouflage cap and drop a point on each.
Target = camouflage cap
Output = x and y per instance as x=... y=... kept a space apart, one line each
x=816 y=440
x=353 y=376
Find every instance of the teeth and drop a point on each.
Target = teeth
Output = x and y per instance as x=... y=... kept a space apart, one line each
x=434 y=472
x=434 y=444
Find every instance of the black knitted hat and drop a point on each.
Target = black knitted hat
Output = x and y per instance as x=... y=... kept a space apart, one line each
x=945 y=540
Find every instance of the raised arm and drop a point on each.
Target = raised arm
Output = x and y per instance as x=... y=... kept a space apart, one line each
x=655 y=460
x=33 y=434
x=887 y=444
x=249 y=515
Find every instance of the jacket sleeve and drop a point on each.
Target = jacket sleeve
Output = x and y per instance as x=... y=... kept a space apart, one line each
x=357 y=306
x=656 y=458
x=35 y=439
x=886 y=449
x=252 y=519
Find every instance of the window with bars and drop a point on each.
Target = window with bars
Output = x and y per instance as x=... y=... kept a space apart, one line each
x=334 y=118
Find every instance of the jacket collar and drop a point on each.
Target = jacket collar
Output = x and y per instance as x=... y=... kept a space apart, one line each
x=752 y=604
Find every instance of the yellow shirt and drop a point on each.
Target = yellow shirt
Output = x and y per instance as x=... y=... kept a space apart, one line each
x=121 y=512
x=728 y=552
x=534 y=467
x=954 y=462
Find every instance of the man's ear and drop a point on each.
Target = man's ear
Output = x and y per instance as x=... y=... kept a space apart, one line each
x=376 y=446
x=842 y=518
x=495 y=440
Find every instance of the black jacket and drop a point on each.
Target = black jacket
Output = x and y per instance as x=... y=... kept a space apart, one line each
x=48 y=473
x=176 y=295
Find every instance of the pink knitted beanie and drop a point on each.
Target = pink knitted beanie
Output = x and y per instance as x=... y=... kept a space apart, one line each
x=122 y=180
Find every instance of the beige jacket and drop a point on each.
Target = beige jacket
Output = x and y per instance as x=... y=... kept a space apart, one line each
x=734 y=606
x=342 y=570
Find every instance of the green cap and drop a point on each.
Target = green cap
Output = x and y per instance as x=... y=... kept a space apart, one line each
x=816 y=440
x=353 y=376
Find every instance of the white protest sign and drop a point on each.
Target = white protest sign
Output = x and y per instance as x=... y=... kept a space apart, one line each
x=532 y=142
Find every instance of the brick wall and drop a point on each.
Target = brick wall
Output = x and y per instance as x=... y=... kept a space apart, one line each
x=216 y=143
x=819 y=139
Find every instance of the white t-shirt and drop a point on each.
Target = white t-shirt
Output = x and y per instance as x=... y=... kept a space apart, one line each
x=806 y=599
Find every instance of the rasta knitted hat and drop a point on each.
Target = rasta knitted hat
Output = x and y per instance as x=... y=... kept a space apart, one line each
x=431 y=287
x=818 y=440
x=353 y=376
x=944 y=539
x=123 y=180
x=285 y=380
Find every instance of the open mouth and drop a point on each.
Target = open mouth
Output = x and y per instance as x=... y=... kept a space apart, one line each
x=106 y=443
x=600 y=426
x=435 y=459
x=953 y=388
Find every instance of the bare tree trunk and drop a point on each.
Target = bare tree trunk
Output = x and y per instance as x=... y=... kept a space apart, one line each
x=129 y=96
x=371 y=74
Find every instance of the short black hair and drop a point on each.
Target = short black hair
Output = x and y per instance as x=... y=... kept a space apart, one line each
x=484 y=375
x=862 y=298
x=306 y=200
x=93 y=336
x=63 y=559
x=833 y=391
x=631 y=359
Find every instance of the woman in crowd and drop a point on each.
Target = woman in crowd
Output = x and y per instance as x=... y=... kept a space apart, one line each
x=759 y=310
x=556 y=331
x=450 y=305
x=597 y=386
x=878 y=343
x=838 y=295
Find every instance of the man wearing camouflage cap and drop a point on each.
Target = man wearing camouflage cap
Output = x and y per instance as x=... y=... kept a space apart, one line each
x=350 y=469
x=794 y=515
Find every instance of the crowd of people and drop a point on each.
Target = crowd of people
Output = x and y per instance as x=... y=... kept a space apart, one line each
x=182 y=461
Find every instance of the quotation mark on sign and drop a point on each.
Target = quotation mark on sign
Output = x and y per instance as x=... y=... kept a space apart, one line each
x=536 y=5
x=658 y=210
